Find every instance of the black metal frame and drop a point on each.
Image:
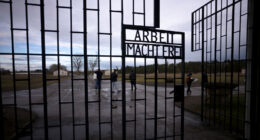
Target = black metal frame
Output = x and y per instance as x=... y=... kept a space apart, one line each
x=222 y=54
x=86 y=56
x=181 y=57
x=255 y=69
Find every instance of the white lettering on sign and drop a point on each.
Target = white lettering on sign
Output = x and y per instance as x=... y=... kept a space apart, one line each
x=154 y=43
x=153 y=36
x=150 y=50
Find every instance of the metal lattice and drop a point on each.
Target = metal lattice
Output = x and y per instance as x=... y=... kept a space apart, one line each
x=219 y=30
x=67 y=107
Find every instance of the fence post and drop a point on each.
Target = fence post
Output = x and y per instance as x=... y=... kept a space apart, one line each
x=44 y=70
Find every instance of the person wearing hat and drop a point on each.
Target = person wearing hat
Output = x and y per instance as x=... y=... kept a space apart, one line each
x=189 y=80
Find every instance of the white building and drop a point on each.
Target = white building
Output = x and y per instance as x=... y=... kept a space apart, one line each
x=107 y=72
x=62 y=73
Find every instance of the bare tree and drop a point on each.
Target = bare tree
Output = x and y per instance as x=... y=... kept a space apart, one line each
x=93 y=64
x=77 y=63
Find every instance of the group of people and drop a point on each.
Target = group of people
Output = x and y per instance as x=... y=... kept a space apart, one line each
x=97 y=76
x=132 y=77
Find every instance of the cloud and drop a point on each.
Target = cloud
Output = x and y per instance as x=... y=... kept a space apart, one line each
x=175 y=15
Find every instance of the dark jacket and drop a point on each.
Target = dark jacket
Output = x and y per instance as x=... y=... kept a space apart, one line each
x=99 y=75
x=132 y=76
x=189 y=80
x=113 y=77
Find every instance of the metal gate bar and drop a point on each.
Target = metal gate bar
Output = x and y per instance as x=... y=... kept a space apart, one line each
x=224 y=50
x=61 y=104
x=44 y=82
x=155 y=118
x=85 y=68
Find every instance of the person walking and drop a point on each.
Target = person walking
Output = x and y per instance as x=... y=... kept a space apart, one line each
x=114 y=87
x=95 y=80
x=114 y=81
x=132 y=78
x=99 y=78
x=189 y=81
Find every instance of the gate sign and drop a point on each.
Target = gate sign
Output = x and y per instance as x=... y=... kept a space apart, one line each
x=139 y=41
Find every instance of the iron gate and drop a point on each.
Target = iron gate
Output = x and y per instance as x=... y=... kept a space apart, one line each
x=49 y=53
x=219 y=30
x=163 y=115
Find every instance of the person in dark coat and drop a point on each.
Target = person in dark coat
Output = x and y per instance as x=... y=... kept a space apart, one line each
x=99 y=78
x=132 y=78
x=189 y=81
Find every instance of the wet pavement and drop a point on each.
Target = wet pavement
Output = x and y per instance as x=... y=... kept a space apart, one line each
x=61 y=109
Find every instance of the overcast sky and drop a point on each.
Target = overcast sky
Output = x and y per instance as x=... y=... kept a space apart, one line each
x=175 y=16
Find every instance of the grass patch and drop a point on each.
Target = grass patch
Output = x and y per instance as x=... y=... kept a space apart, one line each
x=223 y=111
x=170 y=76
x=36 y=82
x=192 y=104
